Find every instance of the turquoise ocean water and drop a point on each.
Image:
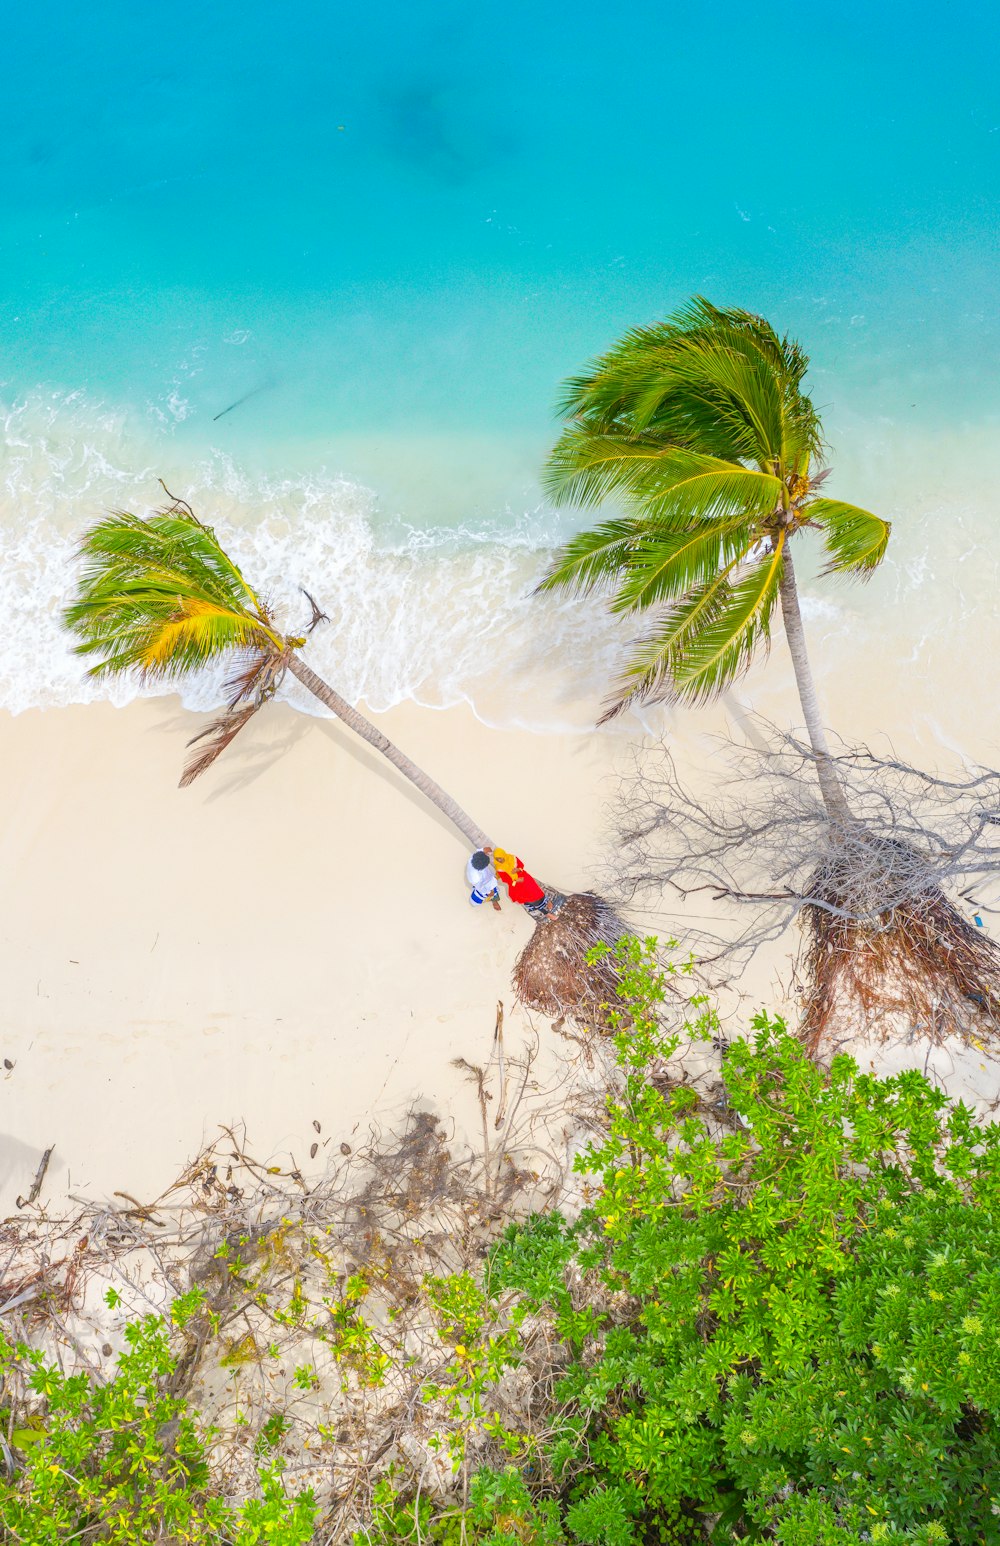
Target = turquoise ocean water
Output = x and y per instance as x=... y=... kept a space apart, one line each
x=322 y=267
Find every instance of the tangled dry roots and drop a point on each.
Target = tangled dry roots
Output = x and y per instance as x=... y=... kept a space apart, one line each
x=919 y=965
x=552 y=973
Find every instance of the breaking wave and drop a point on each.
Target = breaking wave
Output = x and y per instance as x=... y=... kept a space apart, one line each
x=436 y=617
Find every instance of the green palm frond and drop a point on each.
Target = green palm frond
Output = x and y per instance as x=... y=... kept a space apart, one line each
x=668 y=565
x=607 y=390
x=159 y=596
x=173 y=540
x=669 y=485
x=717 y=381
x=736 y=388
x=591 y=558
x=707 y=640
x=662 y=399
x=779 y=357
x=695 y=488
x=854 y=538
x=724 y=648
x=585 y=468
x=603 y=395
x=649 y=676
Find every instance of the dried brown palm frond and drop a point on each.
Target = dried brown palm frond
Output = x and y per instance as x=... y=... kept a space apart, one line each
x=259 y=679
x=249 y=690
x=553 y=975
x=217 y=735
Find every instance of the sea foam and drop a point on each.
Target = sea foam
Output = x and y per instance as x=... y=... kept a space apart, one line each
x=446 y=616
x=435 y=617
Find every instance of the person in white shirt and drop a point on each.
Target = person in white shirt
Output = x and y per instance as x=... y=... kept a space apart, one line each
x=481 y=876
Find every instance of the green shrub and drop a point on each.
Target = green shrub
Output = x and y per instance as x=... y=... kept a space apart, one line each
x=793 y=1317
x=776 y=1320
x=125 y=1463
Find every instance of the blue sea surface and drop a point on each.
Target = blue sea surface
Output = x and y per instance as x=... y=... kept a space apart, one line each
x=372 y=240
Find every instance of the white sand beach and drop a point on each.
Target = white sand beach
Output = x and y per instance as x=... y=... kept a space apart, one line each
x=288 y=941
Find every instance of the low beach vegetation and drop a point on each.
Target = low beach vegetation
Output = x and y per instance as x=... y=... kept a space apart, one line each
x=768 y=1312
x=126 y=1460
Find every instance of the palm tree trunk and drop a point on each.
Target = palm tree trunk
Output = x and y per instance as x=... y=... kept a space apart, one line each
x=830 y=786
x=367 y=731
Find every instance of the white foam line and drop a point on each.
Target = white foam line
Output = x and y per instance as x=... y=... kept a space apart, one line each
x=439 y=619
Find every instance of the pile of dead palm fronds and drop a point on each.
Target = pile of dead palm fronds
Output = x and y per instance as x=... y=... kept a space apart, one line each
x=555 y=973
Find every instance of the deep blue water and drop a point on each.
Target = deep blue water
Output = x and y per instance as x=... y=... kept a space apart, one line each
x=386 y=233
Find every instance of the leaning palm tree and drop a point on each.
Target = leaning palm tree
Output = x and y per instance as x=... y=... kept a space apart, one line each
x=700 y=430
x=158 y=597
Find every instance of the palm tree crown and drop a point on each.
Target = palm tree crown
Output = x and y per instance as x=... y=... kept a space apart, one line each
x=159 y=596
x=699 y=428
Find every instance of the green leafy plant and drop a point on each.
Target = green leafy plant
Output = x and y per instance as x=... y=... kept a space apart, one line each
x=351 y=1338
x=126 y=1462
x=795 y=1306
x=500 y=1511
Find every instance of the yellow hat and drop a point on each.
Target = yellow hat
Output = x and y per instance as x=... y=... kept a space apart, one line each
x=504 y=861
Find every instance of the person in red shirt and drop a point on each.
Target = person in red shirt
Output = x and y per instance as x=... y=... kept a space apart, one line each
x=521 y=887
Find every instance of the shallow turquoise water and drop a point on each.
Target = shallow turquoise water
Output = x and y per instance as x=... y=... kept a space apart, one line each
x=385 y=234
x=422 y=217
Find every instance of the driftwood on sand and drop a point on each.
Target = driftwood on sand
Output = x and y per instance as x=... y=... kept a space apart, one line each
x=36 y=1185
